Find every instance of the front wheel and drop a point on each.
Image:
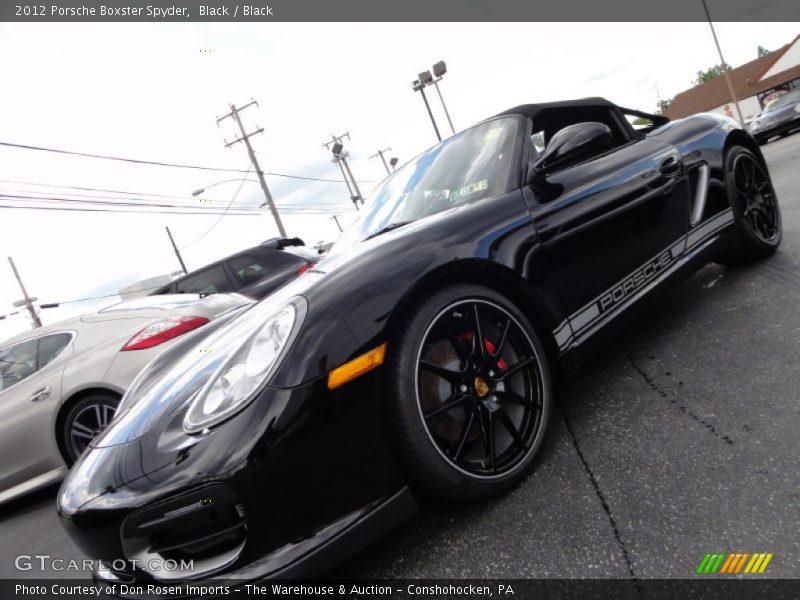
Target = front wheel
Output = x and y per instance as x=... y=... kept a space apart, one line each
x=470 y=394
x=84 y=421
x=757 y=217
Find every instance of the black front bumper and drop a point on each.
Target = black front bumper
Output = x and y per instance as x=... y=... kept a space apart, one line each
x=299 y=479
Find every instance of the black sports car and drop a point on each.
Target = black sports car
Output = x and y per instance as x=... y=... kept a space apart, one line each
x=778 y=118
x=418 y=358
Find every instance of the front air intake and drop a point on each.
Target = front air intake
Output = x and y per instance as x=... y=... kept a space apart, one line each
x=192 y=535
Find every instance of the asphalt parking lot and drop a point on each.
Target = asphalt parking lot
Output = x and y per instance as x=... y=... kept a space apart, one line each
x=681 y=439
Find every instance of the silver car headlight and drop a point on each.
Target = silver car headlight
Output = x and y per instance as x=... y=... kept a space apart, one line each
x=238 y=380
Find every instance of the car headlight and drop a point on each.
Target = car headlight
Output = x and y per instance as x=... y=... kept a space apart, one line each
x=247 y=370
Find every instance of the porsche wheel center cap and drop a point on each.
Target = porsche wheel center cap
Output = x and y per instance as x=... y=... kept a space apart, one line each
x=481 y=387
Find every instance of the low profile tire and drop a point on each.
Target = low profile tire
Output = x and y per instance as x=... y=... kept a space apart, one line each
x=757 y=227
x=470 y=394
x=84 y=420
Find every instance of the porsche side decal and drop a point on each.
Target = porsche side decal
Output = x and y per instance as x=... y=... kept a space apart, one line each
x=626 y=291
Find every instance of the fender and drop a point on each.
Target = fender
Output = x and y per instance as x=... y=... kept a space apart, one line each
x=347 y=317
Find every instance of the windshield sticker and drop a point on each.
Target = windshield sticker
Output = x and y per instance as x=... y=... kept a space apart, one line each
x=469 y=189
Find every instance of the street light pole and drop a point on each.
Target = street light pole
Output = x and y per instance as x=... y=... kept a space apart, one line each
x=202 y=190
x=724 y=64
x=418 y=86
x=444 y=106
x=246 y=139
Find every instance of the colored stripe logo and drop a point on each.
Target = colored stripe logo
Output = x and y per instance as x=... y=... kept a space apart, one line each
x=733 y=563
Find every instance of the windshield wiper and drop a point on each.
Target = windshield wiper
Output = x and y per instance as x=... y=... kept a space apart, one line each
x=389 y=227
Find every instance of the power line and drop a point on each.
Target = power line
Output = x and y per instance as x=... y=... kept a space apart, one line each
x=101 y=200
x=90 y=189
x=118 y=203
x=239 y=189
x=124 y=203
x=123 y=211
x=163 y=164
x=190 y=202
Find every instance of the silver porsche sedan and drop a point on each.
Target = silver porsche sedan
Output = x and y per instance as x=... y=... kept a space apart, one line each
x=60 y=384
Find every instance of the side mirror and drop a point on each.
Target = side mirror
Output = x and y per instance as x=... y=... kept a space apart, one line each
x=574 y=144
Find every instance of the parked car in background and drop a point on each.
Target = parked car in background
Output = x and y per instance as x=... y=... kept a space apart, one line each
x=60 y=384
x=779 y=117
x=255 y=272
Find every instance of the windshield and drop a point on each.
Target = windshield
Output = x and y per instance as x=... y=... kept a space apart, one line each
x=465 y=168
x=784 y=100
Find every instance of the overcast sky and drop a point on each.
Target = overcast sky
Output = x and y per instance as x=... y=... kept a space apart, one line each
x=153 y=91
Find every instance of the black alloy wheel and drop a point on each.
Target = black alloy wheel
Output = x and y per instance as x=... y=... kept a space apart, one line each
x=758 y=199
x=479 y=387
x=757 y=228
x=84 y=421
x=471 y=393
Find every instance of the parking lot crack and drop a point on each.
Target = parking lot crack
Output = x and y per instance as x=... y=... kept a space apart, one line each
x=673 y=399
x=603 y=502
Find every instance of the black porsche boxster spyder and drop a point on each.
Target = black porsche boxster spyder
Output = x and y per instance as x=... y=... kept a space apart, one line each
x=418 y=359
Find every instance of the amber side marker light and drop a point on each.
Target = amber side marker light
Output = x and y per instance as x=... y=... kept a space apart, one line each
x=356 y=367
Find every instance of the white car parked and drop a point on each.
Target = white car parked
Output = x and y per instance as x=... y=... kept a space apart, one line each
x=60 y=384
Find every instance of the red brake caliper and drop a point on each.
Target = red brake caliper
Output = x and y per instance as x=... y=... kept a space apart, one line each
x=501 y=364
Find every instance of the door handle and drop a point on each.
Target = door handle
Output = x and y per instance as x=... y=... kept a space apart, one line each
x=670 y=166
x=40 y=394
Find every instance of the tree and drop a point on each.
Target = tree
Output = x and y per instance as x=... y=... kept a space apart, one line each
x=711 y=73
x=762 y=51
x=663 y=105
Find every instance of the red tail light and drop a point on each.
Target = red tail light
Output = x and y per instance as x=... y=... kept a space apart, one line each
x=304 y=268
x=163 y=331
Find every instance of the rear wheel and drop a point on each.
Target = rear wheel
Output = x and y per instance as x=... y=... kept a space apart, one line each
x=84 y=421
x=470 y=394
x=757 y=216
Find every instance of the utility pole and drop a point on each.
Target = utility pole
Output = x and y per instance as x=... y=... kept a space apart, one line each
x=245 y=137
x=28 y=301
x=724 y=64
x=353 y=197
x=336 y=219
x=385 y=164
x=177 y=252
x=336 y=147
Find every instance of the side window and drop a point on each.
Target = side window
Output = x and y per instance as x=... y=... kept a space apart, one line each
x=17 y=363
x=639 y=122
x=50 y=347
x=537 y=139
x=248 y=269
x=643 y=123
x=208 y=281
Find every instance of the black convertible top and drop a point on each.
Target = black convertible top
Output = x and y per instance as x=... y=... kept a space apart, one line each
x=531 y=110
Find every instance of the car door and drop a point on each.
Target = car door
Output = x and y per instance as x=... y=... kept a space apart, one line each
x=31 y=390
x=610 y=227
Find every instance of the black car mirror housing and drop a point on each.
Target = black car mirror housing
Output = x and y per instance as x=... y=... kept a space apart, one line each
x=574 y=144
